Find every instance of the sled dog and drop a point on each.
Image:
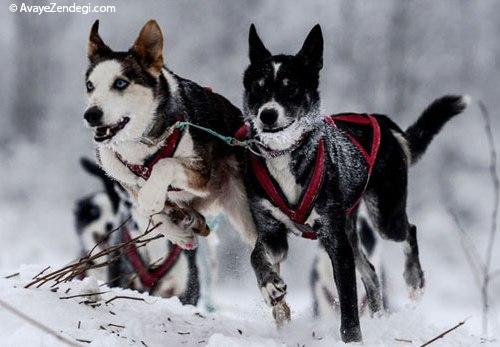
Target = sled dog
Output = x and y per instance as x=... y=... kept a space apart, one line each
x=312 y=171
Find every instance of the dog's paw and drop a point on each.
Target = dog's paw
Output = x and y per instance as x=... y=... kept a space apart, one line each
x=415 y=281
x=185 y=239
x=273 y=289
x=281 y=314
x=150 y=201
x=352 y=334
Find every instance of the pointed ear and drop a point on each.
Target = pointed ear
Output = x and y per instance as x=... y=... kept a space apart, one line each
x=96 y=47
x=312 y=50
x=149 y=47
x=257 y=51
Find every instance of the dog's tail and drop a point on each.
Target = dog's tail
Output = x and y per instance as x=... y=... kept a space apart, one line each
x=430 y=122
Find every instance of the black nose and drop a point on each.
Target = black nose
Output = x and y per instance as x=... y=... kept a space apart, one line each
x=93 y=116
x=268 y=116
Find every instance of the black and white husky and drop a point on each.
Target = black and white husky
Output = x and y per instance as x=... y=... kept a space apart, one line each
x=134 y=106
x=106 y=218
x=312 y=171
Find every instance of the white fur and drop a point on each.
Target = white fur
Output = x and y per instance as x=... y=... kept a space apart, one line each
x=280 y=170
x=405 y=146
x=276 y=67
x=172 y=82
x=175 y=282
x=285 y=138
x=466 y=100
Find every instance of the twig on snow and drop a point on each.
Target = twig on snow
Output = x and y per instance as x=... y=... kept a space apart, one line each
x=440 y=336
x=73 y=270
x=12 y=275
x=81 y=295
x=124 y=297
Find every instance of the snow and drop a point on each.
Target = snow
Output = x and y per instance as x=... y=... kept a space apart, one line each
x=159 y=322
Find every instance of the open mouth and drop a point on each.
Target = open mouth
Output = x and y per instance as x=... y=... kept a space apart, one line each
x=107 y=132
x=275 y=130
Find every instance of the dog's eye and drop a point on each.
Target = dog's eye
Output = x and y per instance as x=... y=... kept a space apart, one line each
x=120 y=84
x=289 y=88
x=90 y=86
x=260 y=86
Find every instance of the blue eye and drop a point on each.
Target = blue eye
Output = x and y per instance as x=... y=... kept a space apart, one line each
x=120 y=84
x=90 y=86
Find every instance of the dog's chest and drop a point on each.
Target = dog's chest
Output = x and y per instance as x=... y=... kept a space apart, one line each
x=280 y=169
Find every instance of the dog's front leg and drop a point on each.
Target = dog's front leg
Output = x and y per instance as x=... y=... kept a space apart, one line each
x=188 y=175
x=272 y=287
x=334 y=239
x=115 y=168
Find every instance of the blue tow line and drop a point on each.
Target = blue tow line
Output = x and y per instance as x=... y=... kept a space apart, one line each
x=229 y=140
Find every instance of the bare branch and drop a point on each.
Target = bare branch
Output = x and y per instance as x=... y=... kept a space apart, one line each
x=494 y=214
x=71 y=271
x=471 y=253
x=496 y=183
x=440 y=336
x=124 y=297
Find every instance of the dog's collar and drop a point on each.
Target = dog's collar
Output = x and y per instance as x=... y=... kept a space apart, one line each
x=166 y=150
x=149 y=278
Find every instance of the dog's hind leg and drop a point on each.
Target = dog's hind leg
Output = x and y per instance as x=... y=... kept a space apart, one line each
x=413 y=274
x=365 y=268
x=392 y=223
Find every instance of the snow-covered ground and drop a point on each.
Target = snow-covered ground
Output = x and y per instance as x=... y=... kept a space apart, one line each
x=165 y=322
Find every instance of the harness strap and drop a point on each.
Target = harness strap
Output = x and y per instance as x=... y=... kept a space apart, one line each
x=150 y=278
x=362 y=119
x=301 y=212
x=167 y=150
x=306 y=202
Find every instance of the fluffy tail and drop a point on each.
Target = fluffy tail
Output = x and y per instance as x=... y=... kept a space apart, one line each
x=435 y=116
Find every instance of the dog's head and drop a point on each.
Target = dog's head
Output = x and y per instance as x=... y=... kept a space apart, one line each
x=281 y=97
x=123 y=87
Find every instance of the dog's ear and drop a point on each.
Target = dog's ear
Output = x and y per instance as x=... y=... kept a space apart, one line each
x=109 y=185
x=148 y=47
x=256 y=51
x=312 y=49
x=91 y=167
x=96 y=47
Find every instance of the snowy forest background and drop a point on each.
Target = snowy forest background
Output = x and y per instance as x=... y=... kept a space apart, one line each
x=390 y=56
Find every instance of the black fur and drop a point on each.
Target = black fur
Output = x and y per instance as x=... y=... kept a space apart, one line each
x=345 y=178
x=437 y=114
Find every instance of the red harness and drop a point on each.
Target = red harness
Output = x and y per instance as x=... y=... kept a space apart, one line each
x=166 y=151
x=149 y=278
x=300 y=213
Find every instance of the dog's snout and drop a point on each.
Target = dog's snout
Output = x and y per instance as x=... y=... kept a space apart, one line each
x=268 y=116
x=93 y=116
